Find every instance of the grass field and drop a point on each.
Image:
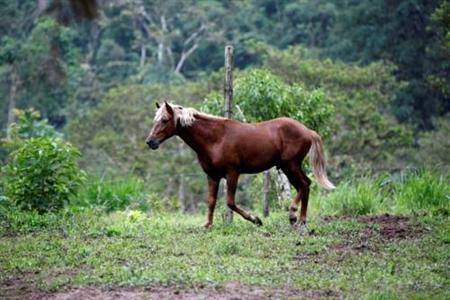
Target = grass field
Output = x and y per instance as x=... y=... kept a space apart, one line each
x=128 y=255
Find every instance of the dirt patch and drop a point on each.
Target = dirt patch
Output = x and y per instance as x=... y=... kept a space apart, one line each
x=394 y=227
x=379 y=229
x=20 y=289
x=390 y=226
x=232 y=290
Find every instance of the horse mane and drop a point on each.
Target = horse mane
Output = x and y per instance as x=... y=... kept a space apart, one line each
x=186 y=115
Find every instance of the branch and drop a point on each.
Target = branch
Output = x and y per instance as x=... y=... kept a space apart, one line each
x=194 y=35
x=184 y=56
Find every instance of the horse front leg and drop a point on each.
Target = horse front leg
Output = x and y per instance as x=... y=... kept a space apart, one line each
x=213 y=187
x=232 y=179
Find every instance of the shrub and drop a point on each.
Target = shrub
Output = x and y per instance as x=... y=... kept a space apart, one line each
x=260 y=95
x=28 y=124
x=42 y=174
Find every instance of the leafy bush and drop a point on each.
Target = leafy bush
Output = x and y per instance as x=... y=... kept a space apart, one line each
x=260 y=95
x=28 y=124
x=423 y=191
x=42 y=174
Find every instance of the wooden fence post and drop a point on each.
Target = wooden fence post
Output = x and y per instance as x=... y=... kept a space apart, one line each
x=228 y=95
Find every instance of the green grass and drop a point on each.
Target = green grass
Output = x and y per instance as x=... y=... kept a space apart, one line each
x=134 y=249
x=84 y=245
x=404 y=193
x=423 y=191
x=112 y=194
x=360 y=197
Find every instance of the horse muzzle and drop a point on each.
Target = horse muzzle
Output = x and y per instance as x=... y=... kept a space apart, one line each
x=153 y=144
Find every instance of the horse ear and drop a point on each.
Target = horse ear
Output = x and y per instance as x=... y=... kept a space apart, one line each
x=169 y=108
x=157 y=105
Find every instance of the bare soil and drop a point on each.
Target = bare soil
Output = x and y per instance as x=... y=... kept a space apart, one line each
x=390 y=226
x=231 y=290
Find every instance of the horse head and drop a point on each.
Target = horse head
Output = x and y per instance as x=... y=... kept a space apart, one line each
x=164 y=125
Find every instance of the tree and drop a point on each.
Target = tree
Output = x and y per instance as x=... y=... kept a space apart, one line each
x=35 y=78
x=406 y=33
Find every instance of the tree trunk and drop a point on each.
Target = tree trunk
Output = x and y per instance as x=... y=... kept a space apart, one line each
x=94 y=36
x=266 y=182
x=143 y=56
x=12 y=100
x=161 y=40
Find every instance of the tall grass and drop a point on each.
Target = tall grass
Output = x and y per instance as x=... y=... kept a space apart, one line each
x=112 y=193
x=424 y=190
x=399 y=193
x=354 y=197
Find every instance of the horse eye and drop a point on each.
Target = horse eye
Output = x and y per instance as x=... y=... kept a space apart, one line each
x=165 y=121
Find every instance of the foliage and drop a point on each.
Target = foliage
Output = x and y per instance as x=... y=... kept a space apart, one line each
x=63 y=68
x=405 y=33
x=42 y=174
x=29 y=124
x=260 y=95
x=434 y=145
x=41 y=58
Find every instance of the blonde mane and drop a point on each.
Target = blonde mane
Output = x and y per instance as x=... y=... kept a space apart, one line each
x=186 y=115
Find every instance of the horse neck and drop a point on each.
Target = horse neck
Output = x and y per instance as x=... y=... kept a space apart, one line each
x=203 y=132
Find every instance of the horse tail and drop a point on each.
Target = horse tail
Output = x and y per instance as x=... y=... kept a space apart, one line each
x=317 y=159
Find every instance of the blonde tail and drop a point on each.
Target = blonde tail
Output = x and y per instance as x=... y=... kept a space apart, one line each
x=317 y=159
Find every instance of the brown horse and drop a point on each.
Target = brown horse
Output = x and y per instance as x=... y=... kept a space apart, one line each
x=228 y=148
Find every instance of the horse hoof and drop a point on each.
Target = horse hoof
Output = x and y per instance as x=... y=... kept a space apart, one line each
x=207 y=225
x=257 y=221
x=293 y=220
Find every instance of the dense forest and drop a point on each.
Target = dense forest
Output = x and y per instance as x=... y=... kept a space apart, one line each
x=371 y=76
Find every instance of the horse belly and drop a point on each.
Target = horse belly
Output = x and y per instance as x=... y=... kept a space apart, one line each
x=258 y=157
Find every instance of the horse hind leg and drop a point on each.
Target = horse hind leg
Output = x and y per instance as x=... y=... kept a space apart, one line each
x=304 y=195
x=301 y=183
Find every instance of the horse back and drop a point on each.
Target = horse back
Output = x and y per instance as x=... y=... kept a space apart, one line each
x=258 y=146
